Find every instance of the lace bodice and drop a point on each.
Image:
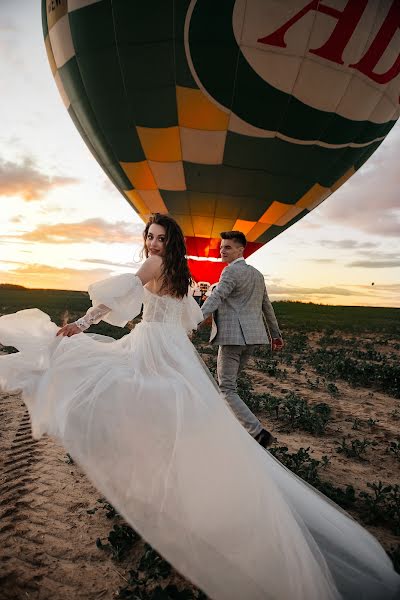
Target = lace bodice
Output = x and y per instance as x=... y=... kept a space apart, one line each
x=119 y=299
x=162 y=309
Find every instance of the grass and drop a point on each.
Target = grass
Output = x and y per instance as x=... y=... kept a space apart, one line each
x=316 y=317
x=61 y=305
x=299 y=316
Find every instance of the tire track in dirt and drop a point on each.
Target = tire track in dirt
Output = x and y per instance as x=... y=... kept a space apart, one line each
x=47 y=538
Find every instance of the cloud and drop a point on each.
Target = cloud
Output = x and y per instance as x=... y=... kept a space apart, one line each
x=307 y=224
x=12 y=262
x=376 y=294
x=376 y=259
x=369 y=201
x=90 y=230
x=347 y=244
x=27 y=181
x=392 y=288
x=46 y=276
x=375 y=264
x=99 y=261
x=322 y=260
x=377 y=254
x=305 y=291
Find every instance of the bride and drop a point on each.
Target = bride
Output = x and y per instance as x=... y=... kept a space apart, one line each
x=144 y=419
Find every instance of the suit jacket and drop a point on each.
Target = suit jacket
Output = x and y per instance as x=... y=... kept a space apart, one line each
x=238 y=305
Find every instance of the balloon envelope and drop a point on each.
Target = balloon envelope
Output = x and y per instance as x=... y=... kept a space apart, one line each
x=241 y=114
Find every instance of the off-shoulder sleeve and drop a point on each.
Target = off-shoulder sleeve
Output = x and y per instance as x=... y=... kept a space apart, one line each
x=191 y=314
x=122 y=294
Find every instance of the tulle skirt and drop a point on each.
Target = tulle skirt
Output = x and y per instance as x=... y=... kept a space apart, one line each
x=144 y=419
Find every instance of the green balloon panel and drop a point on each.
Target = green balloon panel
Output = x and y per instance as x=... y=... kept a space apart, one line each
x=227 y=115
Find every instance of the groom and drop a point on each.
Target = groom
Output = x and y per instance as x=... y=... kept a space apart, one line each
x=238 y=304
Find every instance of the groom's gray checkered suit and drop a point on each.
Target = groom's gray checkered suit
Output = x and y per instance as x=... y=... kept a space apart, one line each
x=238 y=305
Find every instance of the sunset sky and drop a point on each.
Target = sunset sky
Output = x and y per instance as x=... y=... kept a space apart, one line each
x=63 y=224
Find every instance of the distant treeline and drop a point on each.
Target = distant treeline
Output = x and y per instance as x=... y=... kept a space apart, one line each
x=12 y=286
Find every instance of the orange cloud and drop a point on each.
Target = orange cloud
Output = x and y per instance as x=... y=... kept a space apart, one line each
x=91 y=230
x=26 y=181
x=46 y=276
x=352 y=295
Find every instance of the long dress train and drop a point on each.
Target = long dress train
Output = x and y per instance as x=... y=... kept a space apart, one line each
x=144 y=419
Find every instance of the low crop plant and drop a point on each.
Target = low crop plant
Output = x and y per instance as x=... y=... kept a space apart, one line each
x=336 y=363
x=110 y=511
x=356 y=449
x=313 y=385
x=145 y=583
x=344 y=497
x=298 y=366
x=394 y=448
x=170 y=592
x=262 y=402
x=300 y=462
x=332 y=388
x=121 y=540
x=382 y=505
x=308 y=468
x=296 y=342
x=296 y=413
x=270 y=367
x=152 y=566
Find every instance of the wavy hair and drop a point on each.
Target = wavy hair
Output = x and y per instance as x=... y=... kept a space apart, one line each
x=175 y=271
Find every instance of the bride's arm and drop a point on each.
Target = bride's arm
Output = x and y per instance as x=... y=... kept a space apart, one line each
x=93 y=315
x=151 y=269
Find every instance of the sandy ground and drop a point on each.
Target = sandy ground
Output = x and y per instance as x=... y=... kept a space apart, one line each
x=47 y=537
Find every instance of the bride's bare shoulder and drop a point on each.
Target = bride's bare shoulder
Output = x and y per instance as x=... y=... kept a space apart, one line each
x=150 y=269
x=155 y=259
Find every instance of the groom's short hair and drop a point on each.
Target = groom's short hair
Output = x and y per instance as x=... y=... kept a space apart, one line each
x=236 y=236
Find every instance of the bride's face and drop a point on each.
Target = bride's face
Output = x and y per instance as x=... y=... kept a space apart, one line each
x=155 y=241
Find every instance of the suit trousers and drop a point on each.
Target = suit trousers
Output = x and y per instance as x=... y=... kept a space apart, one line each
x=231 y=360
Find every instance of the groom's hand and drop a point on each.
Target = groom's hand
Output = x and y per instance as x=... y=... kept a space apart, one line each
x=276 y=344
x=204 y=323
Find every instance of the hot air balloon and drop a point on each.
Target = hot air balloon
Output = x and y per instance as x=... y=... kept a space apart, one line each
x=241 y=114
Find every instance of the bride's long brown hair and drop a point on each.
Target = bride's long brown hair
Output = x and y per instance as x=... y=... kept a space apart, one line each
x=176 y=277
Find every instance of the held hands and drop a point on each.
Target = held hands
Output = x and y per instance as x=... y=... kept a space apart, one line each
x=276 y=344
x=69 y=330
x=206 y=321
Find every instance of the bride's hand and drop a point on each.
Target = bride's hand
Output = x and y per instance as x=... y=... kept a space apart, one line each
x=69 y=330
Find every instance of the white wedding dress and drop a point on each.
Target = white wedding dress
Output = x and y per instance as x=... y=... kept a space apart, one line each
x=144 y=419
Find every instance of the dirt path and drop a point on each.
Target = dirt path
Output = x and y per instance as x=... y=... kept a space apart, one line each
x=47 y=537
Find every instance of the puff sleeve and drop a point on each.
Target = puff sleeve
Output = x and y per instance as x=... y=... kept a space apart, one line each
x=121 y=294
x=191 y=314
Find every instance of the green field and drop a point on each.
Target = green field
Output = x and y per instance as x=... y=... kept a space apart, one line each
x=62 y=306
x=303 y=317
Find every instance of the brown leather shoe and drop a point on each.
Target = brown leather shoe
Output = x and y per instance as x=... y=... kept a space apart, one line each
x=265 y=438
